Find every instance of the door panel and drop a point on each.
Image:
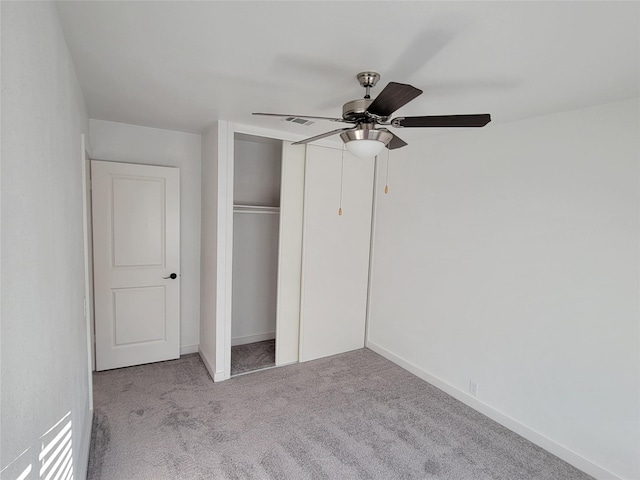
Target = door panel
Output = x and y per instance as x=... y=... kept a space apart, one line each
x=335 y=265
x=290 y=254
x=136 y=236
x=138 y=315
x=138 y=217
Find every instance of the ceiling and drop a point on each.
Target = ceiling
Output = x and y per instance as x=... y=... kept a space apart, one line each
x=183 y=65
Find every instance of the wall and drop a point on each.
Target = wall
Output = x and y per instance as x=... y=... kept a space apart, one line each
x=151 y=146
x=257 y=171
x=255 y=277
x=44 y=359
x=214 y=239
x=509 y=256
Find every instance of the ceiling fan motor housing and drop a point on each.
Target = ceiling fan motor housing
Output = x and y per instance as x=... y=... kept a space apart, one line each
x=354 y=110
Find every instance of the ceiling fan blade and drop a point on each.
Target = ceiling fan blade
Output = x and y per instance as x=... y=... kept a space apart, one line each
x=396 y=142
x=322 y=135
x=394 y=96
x=331 y=119
x=477 y=120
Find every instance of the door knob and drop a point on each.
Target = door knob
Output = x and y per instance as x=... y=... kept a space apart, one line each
x=173 y=276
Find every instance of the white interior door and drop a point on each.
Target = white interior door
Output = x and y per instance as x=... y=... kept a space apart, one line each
x=136 y=240
x=335 y=259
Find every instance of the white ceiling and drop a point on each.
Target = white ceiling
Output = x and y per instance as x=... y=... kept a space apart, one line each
x=183 y=65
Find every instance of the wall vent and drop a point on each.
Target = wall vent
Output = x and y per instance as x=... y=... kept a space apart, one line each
x=298 y=120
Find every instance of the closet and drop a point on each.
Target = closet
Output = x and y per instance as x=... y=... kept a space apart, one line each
x=282 y=270
x=256 y=226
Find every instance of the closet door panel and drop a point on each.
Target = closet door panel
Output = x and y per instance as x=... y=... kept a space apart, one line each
x=335 y=253
x=290 y=254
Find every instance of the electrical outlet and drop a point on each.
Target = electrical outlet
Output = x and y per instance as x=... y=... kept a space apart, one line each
x=473 y=388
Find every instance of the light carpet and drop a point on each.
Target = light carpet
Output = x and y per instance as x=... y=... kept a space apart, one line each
x=350 y=416
x=253 y=356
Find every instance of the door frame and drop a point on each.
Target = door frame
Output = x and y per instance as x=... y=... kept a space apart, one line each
x=85 y=161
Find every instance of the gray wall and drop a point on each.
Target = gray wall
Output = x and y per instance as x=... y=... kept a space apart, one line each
x=44 y=359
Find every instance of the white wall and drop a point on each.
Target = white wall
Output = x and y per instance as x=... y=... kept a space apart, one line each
x=151 y=146
x=255 y=277
x=44 y=358
x=257 y=169
x=215 y=143
x=509 y=255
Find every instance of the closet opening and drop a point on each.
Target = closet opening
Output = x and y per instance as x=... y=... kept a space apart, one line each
x=256 y=231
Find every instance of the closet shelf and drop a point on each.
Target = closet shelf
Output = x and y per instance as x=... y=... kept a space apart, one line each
x=255 y=209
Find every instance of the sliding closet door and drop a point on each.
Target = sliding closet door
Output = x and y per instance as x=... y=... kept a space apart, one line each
x=335 y=261
x=290 y=254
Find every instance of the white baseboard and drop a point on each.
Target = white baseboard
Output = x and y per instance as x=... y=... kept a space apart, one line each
x=85 y=445
x=546 y=443
x=287 y=363
x=219 y=377
x=253 y=338
x=187 y=349
x=208 y=364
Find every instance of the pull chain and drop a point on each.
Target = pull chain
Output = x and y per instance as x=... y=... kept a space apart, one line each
x=341 y=180
x=386 y=186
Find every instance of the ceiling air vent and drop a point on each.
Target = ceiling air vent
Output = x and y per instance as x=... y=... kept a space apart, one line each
x=298 y=120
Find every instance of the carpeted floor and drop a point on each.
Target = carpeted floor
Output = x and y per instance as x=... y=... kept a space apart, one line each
x=253 y=356
x=350 y=416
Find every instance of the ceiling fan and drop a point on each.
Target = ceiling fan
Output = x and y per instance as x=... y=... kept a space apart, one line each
x=365 y=139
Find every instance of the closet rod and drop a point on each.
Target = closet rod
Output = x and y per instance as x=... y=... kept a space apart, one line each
x=255 y=209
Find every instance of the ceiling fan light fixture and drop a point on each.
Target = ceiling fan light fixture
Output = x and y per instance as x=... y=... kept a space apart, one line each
x=366 y=142
x=364 y=148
